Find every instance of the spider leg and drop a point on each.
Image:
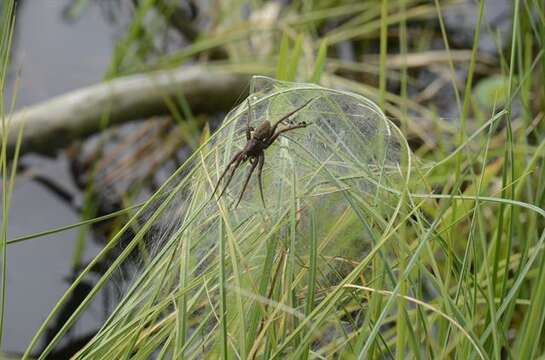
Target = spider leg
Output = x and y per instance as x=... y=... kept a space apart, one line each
x=285 y=117
x=279 y=132
x=250 y=118
x=254 y=162
x=233 y=170
x=234 y=159
x=261 y=162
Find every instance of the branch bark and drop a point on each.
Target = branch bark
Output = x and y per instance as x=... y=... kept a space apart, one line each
x=55 y=123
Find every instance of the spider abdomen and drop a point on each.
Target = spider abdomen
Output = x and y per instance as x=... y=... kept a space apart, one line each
x=263 y=131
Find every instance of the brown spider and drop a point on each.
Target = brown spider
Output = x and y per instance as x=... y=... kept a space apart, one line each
x=258 y=140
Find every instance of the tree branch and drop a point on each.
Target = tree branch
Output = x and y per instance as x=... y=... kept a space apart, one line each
x=53 y=124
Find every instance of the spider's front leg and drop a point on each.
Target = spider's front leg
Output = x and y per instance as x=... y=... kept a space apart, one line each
x=249 y=130
x=287 y=116
x=250 y=117
x=275 y=136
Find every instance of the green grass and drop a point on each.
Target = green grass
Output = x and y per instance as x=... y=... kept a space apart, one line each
x=367 y=248
x=8 y=162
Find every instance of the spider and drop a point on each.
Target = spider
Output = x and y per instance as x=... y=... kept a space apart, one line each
x=258 y=140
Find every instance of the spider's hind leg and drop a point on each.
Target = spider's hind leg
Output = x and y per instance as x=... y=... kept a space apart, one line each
x=254 y=162
x=232 y=174
x=261 y=162
x=232 y=165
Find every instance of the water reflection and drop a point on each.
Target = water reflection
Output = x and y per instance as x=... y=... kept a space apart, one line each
x=52 y=56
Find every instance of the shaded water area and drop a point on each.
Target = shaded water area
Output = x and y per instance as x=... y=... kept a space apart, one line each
x=52 y=56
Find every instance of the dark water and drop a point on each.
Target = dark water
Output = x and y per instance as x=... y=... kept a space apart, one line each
x=53 y=56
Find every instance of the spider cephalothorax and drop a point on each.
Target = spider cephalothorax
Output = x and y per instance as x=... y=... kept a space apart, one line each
x=258 y=140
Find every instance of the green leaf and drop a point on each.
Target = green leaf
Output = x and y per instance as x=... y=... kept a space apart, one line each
x=295 y=57
x=283 y=58
x=319 y=65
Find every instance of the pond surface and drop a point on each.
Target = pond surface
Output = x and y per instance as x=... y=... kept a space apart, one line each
x=53 y=56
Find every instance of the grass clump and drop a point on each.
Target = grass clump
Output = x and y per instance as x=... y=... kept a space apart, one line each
x=221 y=273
